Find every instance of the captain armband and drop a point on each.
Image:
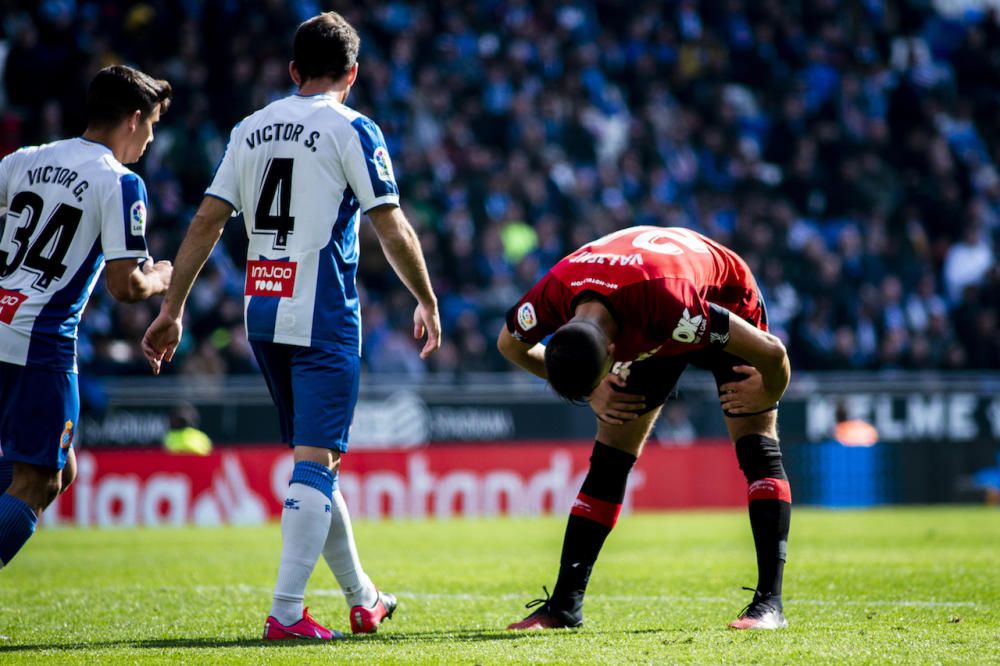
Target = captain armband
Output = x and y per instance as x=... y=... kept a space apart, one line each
x=718 y=325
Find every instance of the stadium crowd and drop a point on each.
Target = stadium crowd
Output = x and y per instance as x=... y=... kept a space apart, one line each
x=848 y=150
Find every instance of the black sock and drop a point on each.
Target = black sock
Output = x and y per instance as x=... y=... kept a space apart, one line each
x=770 y=508
x=591 y=519
x=770 y=520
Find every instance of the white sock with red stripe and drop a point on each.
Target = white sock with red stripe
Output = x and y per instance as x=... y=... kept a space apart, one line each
x=341 y=555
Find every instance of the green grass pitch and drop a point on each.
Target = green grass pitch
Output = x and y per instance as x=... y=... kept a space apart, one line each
x=885 y=586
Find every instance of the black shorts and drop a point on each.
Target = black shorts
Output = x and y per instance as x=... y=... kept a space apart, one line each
x=656 y=377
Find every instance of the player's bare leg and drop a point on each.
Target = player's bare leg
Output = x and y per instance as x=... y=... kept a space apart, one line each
x=629 y=437
x=68 y=473
x=31 y=490
x=35 y=486
x=305 y=522
x=591 y=519
x=756 y=441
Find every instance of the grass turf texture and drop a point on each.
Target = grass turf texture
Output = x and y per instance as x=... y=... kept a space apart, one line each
x=904 y=585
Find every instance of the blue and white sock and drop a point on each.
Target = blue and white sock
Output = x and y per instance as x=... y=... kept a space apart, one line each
x=305 y=522
x=6 y=475
x=341 y=555
x=17 y=524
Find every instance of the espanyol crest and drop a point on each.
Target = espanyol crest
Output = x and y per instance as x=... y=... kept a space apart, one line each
x=66 y=438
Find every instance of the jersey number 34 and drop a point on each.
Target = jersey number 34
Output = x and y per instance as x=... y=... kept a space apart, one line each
x=56 y=236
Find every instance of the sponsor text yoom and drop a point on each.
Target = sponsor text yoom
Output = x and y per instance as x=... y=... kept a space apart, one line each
x=270 y=278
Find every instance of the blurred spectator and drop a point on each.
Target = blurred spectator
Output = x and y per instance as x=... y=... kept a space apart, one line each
x=988 y=479
x=967 y=261
x=674 y=428
x=852 y=432
x=851 y=156
x=183 y=436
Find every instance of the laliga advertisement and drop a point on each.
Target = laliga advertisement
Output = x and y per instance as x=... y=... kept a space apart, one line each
x=246 y=485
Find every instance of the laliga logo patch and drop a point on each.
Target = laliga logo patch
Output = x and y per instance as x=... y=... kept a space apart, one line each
x=526 y=316
x=383 y=165
x=137 y=216
x=66 y=438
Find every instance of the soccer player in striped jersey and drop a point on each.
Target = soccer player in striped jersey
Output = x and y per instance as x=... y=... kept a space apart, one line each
x=302 y=170
x=71 y=207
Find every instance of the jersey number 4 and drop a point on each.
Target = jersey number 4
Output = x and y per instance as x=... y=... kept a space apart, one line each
x=274 y=203
x=55 y=237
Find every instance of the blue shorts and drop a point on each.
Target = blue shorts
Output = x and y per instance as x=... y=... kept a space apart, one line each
x=39 y=410
x=315 y=391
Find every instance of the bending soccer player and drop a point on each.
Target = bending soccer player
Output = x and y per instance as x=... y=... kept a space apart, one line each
x=71 y=207
x=627 y=313
x=302 y=169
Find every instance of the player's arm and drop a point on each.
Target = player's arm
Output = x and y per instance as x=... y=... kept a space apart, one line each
x=164 y=334
x=130 y=281
x=529 y=356
x=770 y=372
x=402 y=248
x=130 y=275
x=202 y=236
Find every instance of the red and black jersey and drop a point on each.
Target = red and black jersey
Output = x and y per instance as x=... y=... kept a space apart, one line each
x=658 y=283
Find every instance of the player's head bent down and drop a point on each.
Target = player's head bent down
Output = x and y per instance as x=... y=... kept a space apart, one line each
x=123 y=104
x=577 y=357
x=325 y=46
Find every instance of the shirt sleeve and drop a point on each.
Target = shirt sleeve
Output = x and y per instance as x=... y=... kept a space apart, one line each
x=536 y=315
x=368 y=167
x=226 y=182
x=123 y=219
x=9 y=170
x=6 y=166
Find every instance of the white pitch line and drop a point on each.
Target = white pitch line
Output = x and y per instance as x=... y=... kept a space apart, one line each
x=626 y=598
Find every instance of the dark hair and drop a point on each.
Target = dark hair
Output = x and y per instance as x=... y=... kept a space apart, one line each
x=119 y=90
x=575 y=357
x=325 y=45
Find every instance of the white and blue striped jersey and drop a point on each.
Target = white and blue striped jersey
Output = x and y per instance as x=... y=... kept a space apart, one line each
x=70 y=205
x=301 y=170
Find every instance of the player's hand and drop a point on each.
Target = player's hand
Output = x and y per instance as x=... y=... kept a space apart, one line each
x=161 y=340
x=746 y=396
x=614 y=406
x=161 y=271
x=427 y=321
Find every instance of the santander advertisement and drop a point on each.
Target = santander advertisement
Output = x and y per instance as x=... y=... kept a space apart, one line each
x=246 y=485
